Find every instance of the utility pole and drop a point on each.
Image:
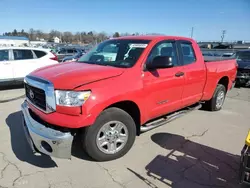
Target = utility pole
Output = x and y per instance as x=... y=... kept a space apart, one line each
x=60 y=37
x=223 y=35
x=192 y=32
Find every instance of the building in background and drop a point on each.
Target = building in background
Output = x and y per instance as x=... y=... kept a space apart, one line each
x=56 y=40
x=13 y=41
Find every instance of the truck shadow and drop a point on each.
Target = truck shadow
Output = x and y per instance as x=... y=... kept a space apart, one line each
x=191 y=165
x=22 y=149
x=20 y=145
x=77 y=149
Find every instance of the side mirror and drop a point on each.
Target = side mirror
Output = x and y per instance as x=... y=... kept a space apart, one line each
x=160 y=62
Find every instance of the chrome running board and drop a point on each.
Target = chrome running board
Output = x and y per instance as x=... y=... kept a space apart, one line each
x=168 y=118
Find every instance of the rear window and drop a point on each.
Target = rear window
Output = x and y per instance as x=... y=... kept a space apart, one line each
x=188 y=53
x=39 y=53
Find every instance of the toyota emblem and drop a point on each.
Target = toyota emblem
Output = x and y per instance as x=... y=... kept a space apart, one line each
x=31 y=94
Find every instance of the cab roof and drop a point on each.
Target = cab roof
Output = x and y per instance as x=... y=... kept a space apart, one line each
x=154 y=37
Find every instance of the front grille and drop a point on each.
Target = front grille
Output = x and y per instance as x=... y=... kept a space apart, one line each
x=36 y=96
x=243 y=72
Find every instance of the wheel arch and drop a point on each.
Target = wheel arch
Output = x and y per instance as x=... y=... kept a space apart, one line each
x=132 y=109
x=224 y=81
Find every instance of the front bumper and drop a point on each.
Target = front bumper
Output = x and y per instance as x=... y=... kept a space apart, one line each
x=46 y=140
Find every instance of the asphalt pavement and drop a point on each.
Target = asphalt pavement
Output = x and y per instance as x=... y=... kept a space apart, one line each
x=199 y=150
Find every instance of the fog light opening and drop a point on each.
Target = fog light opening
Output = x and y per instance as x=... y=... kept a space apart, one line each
x=46 y=146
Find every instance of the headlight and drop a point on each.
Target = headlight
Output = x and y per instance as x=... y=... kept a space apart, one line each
x=71 y=98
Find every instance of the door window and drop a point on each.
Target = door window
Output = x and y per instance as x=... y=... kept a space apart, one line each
x=22 y=54
x=75 y=51
x=4 y=55
x=70 y=51
x=187 y=53
x=62 y=51
x=164 y=48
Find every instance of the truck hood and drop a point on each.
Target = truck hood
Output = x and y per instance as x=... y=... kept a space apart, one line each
x=244 y=64
x=71 y=75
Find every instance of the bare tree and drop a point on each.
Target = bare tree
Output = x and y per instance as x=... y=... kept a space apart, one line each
x=67 y=37
x=101 y=37
x=31 y=34
x=39 y=34
x=116 y=34
x=78 y=37
x=125 y=34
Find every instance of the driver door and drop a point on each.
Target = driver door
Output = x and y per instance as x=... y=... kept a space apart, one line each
x=163 y=87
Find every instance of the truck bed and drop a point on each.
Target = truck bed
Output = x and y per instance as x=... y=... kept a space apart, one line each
x=215 y=71
x=215 y=58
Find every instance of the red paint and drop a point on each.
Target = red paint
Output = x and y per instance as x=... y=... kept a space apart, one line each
x=110 y=85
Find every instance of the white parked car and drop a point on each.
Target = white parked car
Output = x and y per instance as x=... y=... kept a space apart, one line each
x=17 y=62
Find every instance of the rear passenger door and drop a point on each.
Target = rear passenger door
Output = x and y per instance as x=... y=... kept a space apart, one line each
x=194 y=73
x=23 y=62
x=6 y=71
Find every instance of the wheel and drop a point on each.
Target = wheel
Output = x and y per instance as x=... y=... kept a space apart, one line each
x=217 y=101
x=111 y=136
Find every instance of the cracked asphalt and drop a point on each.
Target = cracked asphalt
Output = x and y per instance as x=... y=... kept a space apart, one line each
x=199 y=150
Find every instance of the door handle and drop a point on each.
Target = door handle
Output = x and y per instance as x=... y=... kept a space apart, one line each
x=6 y=63
x=179 y=74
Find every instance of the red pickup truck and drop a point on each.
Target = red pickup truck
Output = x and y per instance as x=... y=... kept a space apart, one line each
x=120 y=88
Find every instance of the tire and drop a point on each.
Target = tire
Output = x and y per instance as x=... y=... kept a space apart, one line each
x=239 y=83
x=211 y=104
x=107 y=118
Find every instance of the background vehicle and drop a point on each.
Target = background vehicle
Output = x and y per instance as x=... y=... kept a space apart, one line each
x=73 y=57
x=243 y=72
x=109 y=97
x=228 y=54
x=211 y=55
x=17 y=62
x=64 y=52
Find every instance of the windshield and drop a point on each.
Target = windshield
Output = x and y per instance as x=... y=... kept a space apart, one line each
x=117 y=53
x=243 y=55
